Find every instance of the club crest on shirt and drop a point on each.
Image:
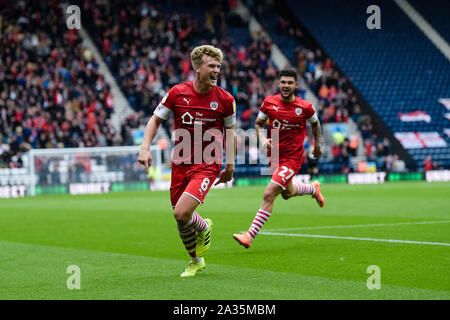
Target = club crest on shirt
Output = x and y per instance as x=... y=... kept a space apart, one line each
x=214 y=105
x=298 y=111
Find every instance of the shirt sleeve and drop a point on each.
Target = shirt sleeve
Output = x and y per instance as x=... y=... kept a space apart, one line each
x=165 y=107
x=313 y=118
x=230 y=115
x=263 y=113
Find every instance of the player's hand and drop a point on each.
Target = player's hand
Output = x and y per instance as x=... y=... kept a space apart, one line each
x=267 y=143
x=145 y=158
x=317 y=152
x=224 y=176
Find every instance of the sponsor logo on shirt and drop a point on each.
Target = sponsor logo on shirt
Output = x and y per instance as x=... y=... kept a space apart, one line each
x=284 y=124
x=199 y=118
x=276 y=124
x=186 y=118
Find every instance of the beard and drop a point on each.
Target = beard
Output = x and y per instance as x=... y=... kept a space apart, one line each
x=287 y=95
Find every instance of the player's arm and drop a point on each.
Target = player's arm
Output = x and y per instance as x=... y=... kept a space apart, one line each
x=230 y=155
x=145 y=156
x=260 y=123
x=230 y=145
x=161 y=113
x=316 y=131
x=229 y=123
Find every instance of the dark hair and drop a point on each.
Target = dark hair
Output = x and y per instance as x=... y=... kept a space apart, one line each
x=288 y=73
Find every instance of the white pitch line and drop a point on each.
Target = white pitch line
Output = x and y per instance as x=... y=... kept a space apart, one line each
x=360 y=225
x=351 y=238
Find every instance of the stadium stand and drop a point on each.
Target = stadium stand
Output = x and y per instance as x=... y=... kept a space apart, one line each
x=51 y=94
x=437 y=18
x=397 y=69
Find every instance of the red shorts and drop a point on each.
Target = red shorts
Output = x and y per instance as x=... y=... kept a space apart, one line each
x=192 y=180
x=286 y=170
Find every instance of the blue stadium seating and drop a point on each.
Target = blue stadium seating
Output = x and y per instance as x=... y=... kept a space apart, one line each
x=436 y=12
x=397 y=69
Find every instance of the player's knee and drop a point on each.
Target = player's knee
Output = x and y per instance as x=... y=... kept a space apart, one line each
x=180 y=215
x=286 y=195
x=269 y=196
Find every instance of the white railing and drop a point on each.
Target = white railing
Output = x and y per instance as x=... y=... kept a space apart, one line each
x=67 y=166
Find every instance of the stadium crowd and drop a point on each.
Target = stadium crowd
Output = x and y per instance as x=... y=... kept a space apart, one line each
x=52 y=94
x=148 y=51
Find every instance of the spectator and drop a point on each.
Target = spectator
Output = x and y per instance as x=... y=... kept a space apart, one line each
x=429 y=164
x=380 y=153
x=398 y=165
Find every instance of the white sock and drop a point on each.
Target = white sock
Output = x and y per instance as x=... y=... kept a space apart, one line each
x=258 y=222
x=197 y=223
x=197 y=259
x=303 y=189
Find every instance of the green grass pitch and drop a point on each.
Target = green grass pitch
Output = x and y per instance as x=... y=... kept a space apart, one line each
x=127 y=246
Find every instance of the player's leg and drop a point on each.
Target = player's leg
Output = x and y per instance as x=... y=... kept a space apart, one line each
x=194 y=230
x=198 y=188
x=185 y=199
x=270 y=194
x=186 y=222
x=184 y=207
x=290 y=191
x=272 y=191
x=184 y=213
x=300 y=189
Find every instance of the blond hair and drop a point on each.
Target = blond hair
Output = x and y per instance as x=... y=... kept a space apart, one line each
x=198 y=52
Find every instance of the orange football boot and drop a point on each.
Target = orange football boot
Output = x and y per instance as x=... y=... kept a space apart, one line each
x=318 y=196
x=244 y=239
